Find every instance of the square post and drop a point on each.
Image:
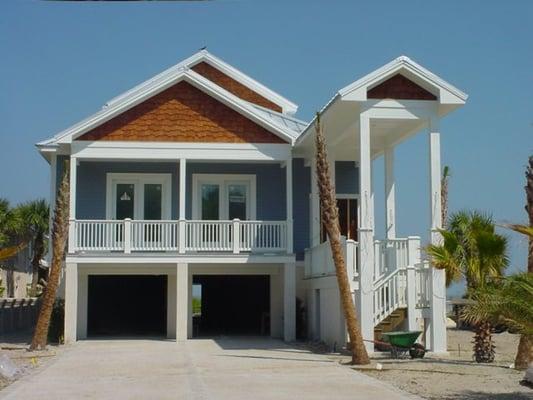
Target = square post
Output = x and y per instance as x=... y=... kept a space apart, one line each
x=365 y=293
x=71 y=302
x=289 y=302
x=182 y=301
x=438 y=281
x=288 y=172
x=390 y=194
x=413 y=248
x=72 y=205
x=182 y=243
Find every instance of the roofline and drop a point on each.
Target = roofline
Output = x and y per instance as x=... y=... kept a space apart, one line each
x=204 y=55
x=403 y=61
x=192 y=77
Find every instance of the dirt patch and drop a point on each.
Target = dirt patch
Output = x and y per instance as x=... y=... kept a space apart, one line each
x=16 y=348
x=456 y=376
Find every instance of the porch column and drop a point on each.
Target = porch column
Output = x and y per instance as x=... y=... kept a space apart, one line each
x=390 y=194
x=437 y=329
x=182 y=206
x=365 y=293
x=72 y=205
x=314 y=209
x=289 y=302
x=71 y=302
x=288 y=171
x=182 y=301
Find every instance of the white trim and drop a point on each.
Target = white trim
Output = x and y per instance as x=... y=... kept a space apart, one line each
x=241 y=106
x=224 y=180
x=215 y=258
x=232 y=72
x=98 y=150
x=138 y=179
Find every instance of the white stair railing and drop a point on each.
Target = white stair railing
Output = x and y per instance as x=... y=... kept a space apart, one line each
x=390 y=294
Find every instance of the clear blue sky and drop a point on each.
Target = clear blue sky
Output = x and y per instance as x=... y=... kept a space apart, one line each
x=61 y=61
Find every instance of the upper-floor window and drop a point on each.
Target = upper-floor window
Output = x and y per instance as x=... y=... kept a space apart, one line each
x=223 y=197
x=138 y=196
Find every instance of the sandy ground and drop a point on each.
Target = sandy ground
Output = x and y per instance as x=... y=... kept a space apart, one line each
x=456 y=376
x=16 y=348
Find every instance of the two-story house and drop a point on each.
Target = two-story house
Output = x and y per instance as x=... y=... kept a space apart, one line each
x=200 y=182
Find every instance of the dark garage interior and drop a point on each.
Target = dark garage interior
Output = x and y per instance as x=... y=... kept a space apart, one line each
x=127 y=305
x=233 y=305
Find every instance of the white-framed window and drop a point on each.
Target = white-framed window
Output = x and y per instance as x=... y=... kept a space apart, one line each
x=138 y=196
x=224 y=197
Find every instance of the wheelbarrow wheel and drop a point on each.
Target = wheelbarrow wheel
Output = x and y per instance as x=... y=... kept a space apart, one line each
x=417 y=351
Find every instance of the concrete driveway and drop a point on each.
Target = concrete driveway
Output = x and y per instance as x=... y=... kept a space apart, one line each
x=227 y=368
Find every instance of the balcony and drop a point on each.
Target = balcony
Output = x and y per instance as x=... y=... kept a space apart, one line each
x=183 y=236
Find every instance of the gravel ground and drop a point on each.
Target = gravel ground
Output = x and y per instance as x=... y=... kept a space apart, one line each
x=457 y=376
x=16 y=348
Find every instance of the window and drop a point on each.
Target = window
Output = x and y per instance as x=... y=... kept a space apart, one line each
x=138 y=196
x=348 y=210
x=223 y=197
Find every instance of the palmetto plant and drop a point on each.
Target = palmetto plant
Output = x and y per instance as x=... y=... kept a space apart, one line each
x=472 y=250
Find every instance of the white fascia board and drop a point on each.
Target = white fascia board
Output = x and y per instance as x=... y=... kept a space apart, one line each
x=288 y=106
x=190 y=76
x=189 y=259
x=173 y=151
x=448 y=94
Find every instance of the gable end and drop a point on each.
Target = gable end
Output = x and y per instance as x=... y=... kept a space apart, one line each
x=182 y=113
x=401 y=88
x=232 y=86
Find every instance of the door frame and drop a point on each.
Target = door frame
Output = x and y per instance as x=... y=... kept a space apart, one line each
x=223 y=180
x=138 y=180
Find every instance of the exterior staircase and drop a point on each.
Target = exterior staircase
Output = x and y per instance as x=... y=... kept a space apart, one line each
x=390 y=323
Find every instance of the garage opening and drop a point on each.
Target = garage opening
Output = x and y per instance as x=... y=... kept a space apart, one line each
x=231 y=305
x=127 y=305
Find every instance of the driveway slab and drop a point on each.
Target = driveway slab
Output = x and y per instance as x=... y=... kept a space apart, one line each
x=225 y=368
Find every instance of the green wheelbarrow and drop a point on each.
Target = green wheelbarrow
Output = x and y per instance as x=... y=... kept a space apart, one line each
x=401 y=343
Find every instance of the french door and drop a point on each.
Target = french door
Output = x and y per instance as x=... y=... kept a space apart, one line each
x=347 y=219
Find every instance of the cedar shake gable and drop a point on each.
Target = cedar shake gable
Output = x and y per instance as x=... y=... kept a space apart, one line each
x=231 y=85
x=182 y=113
x=401 y=88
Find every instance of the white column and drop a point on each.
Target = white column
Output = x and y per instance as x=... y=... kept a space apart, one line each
x=413 y=247
x=72 y=205
x=390 y=194
x=53 y=188
x=171 y=306
x=182 y=204
x=83 y=298
x=366 y=235
x=438 y=281
x=315 y=206
x=289 y=302
x=182 y=301
x=288 y=171
x=71 y=302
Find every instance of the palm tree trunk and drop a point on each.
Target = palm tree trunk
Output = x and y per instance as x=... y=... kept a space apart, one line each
x=330 y=215
x=524 y=354
x=444 y=196
x=59 y=240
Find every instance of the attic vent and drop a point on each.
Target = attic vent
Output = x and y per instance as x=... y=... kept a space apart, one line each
x=400 y=88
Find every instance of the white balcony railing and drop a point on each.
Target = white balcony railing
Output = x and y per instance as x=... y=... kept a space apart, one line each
x=319 y=261
x=177 y=236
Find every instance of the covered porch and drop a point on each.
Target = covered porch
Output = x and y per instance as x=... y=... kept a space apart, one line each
x=197 y=198
x=363 y=122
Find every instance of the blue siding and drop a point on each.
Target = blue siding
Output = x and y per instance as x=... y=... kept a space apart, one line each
x=346 y=177
x=270 y=185
x=301 y=184
x=91 y=184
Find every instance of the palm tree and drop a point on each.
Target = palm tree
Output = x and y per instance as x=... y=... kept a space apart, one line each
x=33 y=219
x=472 y=250
x=330 y=217
x=59 y=240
